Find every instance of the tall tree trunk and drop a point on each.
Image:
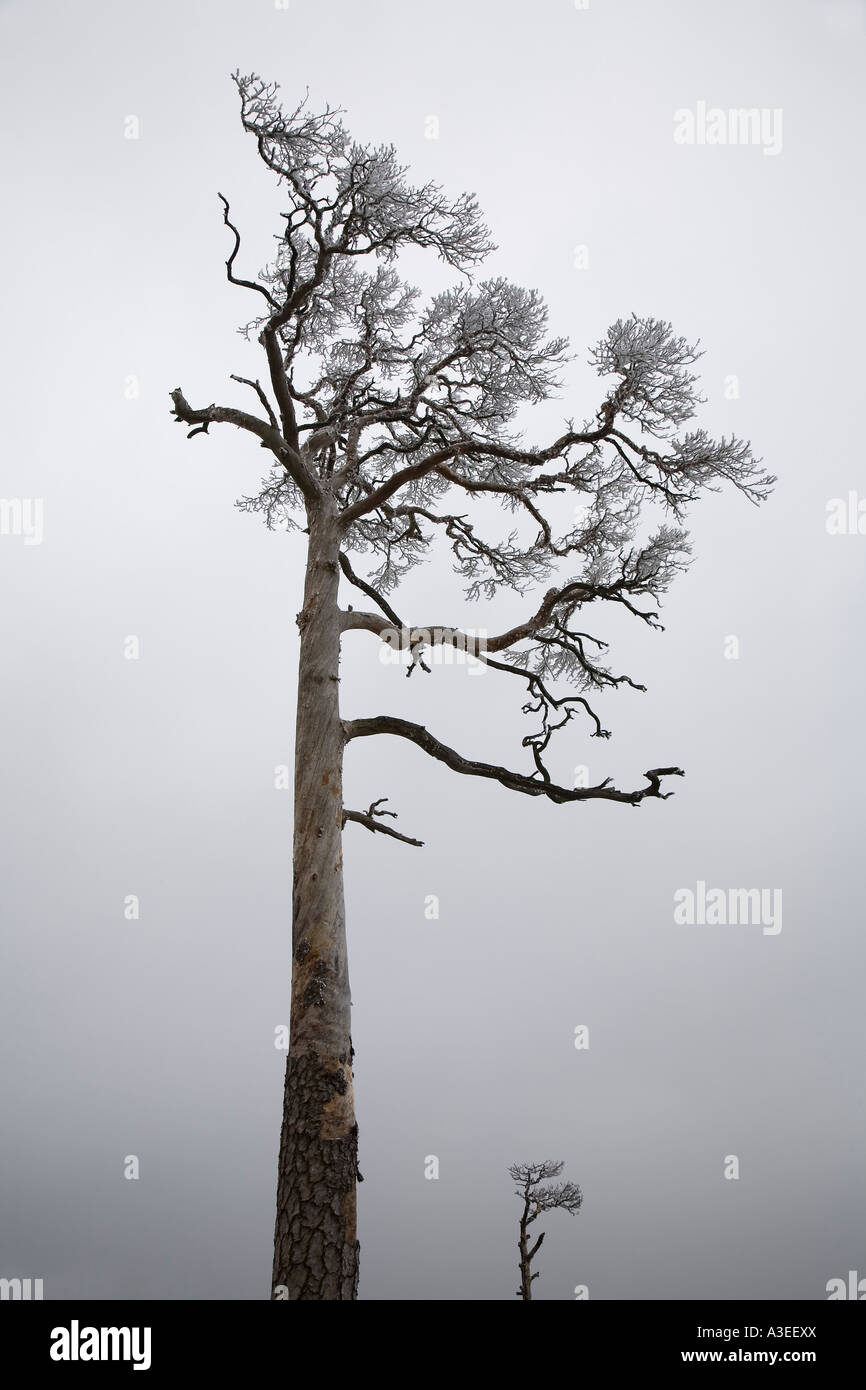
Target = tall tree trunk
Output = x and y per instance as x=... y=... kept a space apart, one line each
x=315 y=1248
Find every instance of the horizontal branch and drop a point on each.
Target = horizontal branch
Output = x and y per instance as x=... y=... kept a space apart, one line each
x=271 y=438
x=514 y=781
x=368 y=818
x=574 y=593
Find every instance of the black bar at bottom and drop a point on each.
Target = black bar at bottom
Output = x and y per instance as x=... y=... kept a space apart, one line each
x=66 y=1338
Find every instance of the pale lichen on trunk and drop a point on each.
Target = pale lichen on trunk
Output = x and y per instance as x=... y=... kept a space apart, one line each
x=315 y=1246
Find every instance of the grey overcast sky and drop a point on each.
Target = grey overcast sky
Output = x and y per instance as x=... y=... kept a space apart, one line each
x=155 y=776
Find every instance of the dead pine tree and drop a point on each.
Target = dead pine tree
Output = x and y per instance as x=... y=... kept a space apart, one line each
x=385 y=419
x=539 y=1195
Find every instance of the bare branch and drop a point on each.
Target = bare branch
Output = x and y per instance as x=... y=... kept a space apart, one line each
x=257 y=387
x=528 y=1174
x=271 y=438
x=368 y=589
x=570 y=595
x=469 y=449
x=368 y=818
x=246 y=284
x=535 y=1248
x=514 y=781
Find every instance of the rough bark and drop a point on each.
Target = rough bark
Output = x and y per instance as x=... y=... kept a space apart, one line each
x=315 y=1247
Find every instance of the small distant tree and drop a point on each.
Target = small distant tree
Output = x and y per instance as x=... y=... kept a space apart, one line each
x=539 y=1194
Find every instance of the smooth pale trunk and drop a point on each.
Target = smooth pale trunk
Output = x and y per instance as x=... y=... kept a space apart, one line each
x=315 y=1246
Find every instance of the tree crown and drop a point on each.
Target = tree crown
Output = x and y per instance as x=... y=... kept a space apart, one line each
x=382 y=409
